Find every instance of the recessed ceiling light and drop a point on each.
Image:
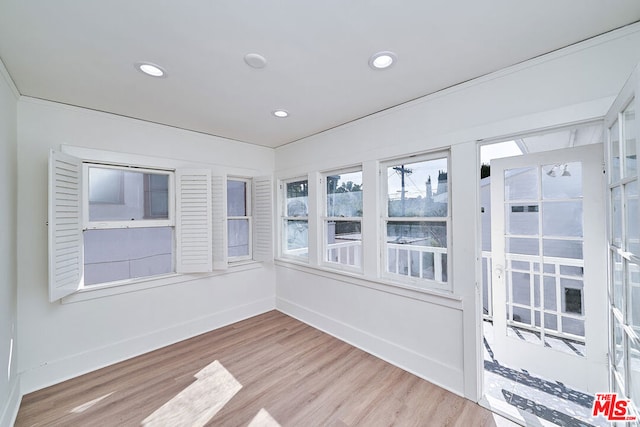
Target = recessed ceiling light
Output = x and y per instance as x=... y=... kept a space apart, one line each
x=281 y=113
x=382 y=60
x=255 y=60
x=150 y=69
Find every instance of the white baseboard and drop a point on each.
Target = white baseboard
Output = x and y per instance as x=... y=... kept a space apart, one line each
x=445 y=376
x=60 y=370
x=11 y=406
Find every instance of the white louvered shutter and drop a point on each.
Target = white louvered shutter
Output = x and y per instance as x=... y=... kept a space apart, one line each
x=65 y=225
x=262 y=219
x=219 y=217
x=193 y=221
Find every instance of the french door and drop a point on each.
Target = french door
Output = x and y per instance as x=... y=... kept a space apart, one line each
x=622 y=129
x=549 y=265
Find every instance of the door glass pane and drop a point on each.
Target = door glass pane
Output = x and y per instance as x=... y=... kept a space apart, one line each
x=521 y=245
x=634 y=371
x=118 y=195
x=633 y=221
x=629 y=132
x=562 y=181
x=550 y=293
x=521 y=184
x=127 y=253
x=633 y=310
x=562 y=248
x=521 y=288
x=522 y=219
x=562 y=219
x=616 y=214
x=619 y=348
x=614 y=148
x=617 y=273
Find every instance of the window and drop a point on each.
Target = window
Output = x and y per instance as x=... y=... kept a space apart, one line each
x=295 y=222
x=238 y=219
x=416 y=221
x=128 y=230
x=118 y=223
x=343 y=219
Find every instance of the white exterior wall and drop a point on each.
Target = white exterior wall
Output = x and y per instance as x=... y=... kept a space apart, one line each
x=438 y=338
x=9 y=384
x=63 y=340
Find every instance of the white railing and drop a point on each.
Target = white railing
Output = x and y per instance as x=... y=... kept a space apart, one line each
x=401 y=260
x=346 y=253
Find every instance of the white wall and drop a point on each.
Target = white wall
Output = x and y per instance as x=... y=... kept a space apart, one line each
x=437 y=338
x=62 y=340
x=9 y=385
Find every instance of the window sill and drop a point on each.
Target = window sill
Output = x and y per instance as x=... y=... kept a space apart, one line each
x=433 y=296
x=135 y=285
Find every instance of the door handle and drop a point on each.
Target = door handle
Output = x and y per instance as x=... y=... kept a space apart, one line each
x=499 y=269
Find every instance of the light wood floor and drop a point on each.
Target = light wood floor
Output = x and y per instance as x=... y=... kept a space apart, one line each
x=297 y=374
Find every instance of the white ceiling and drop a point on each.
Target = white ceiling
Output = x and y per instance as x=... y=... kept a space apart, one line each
x=82 y=53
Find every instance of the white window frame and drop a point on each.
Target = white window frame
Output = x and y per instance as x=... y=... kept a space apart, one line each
x=68 y=195
x=325 y=219
x=385 y=219
x=284 y=219
x=248 y=191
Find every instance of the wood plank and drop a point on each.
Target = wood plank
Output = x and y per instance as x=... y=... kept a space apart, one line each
x=288 y=370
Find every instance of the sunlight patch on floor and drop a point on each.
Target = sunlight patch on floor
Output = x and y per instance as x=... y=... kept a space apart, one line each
x=81 y=408
x=197 y=404
x=263 y=419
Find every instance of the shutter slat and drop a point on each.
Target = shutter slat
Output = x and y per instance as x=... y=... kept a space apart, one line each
x=219 y=218
x=65 y=220
x=193 y=221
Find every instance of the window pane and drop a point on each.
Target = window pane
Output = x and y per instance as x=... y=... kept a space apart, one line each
x=417 y=233
x=417 y=249
x=296 y=237
x=344 y=242
x=344 y=195
x=297 y=198
x=117 y=195
x=127 y=253
x=238 y=237
x=418 y=189
x=236 y=198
